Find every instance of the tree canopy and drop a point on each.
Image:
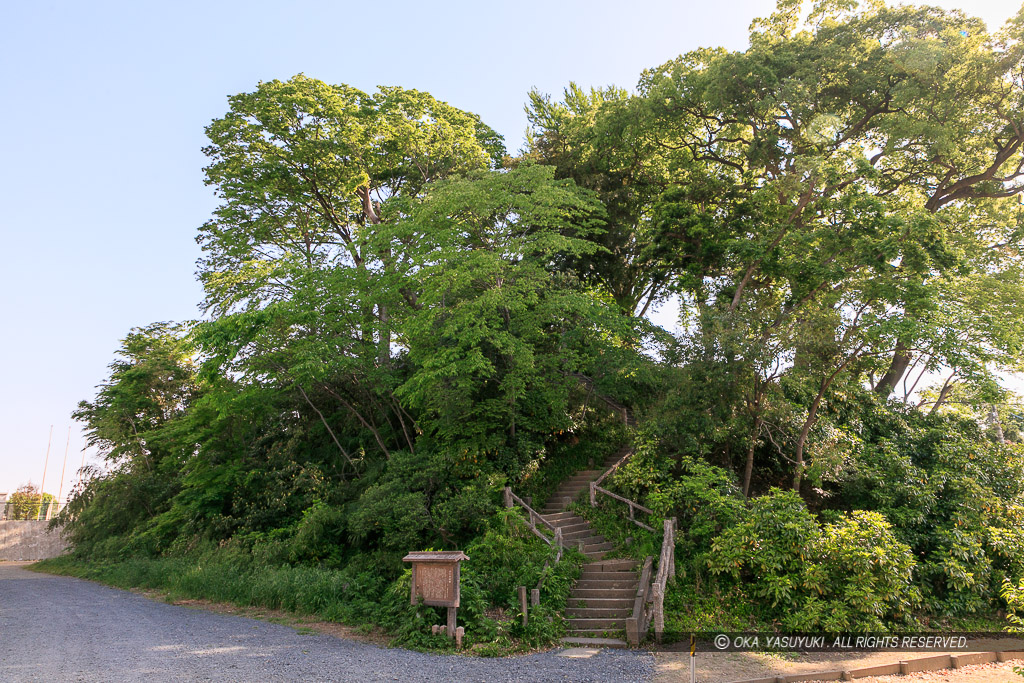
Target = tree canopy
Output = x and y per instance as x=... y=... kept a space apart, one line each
x=401 y=318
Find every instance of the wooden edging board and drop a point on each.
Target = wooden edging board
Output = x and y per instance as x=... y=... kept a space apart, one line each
x=905 y=666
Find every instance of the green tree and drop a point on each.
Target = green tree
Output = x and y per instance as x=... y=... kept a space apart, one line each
x=601 y=140
x=26 y=503
x=304 y=168
x=824 y=180
x=500 y=327
x=309 y=173
x=136 y=422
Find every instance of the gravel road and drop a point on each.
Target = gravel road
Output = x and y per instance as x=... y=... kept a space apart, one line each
x=54 y=628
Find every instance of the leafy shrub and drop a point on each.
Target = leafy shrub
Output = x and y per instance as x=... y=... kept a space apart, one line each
x=418 y=500
x=320 y=535
x=704 y=498
x=852 y=574
x=1013 y=594
x=951 y=495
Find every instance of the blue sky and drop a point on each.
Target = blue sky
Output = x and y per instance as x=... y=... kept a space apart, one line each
x=103 y=110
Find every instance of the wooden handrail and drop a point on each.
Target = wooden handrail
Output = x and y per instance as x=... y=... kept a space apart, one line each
x=614 y=467
x=534 y=517
x=666 y=571
x=636 y=629
x=649 y=604
x=595 y=488
x=632 y=506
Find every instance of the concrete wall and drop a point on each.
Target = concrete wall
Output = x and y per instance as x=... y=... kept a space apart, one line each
x=29 y=540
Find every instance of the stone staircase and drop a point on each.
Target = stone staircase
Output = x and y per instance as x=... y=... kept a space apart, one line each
x=602 y=599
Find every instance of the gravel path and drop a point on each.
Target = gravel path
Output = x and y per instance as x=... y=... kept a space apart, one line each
x=55 y=628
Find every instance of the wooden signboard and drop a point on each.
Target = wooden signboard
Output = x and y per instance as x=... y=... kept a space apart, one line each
x=435 y=577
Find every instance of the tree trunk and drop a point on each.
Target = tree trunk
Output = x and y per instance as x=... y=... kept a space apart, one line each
x=802 y=441
x=897 y=368
x=749 y=470
x=947 y=386
x=993 y=418
x=812 y=415
x=384 y=349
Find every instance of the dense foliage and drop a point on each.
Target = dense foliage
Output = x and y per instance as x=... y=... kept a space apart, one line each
x=27 y=503
x=401 y=319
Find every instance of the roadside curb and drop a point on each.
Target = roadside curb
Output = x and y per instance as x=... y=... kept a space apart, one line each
x=904 y=666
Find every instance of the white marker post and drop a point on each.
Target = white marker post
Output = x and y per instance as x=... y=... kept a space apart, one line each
x=693 y=659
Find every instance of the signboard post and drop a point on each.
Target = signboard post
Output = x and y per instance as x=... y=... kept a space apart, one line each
x=435 y=581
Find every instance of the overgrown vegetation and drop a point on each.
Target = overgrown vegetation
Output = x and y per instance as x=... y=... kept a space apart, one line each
x=371 y=591
x=402 y=319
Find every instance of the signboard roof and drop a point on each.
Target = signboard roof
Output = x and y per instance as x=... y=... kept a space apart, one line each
x=436 y=556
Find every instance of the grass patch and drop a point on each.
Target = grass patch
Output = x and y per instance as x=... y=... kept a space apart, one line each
x=364 y=597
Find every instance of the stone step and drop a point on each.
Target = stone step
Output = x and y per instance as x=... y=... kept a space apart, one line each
x=604 y=603
x=603 y=593
x=577 y=625
x=568 y=492
x=631 y=582
x=599 y=612
x=597 y=547
x=594 y=642
x=590 y=546
x=618 y=565
x=573 y=528
x=618 y=576
x=568 y=495
x=561 y=516
x=596 y=555
x=557 y=506
x=561 y=500
x=600 y=628
x=619 y=634
x=564 y=519
x=583 y=535
x=587 y=539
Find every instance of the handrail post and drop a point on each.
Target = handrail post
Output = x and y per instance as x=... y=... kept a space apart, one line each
x=670 y=529
x=632 y=631
x=558 y=542
x=508 y=497
x=659 y=611
x=593 y=494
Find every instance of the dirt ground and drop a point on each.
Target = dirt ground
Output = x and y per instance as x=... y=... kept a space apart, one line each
x=724 y=667
x=981 y=673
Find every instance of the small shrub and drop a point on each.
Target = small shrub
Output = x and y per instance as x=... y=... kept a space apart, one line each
x=850 y=575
